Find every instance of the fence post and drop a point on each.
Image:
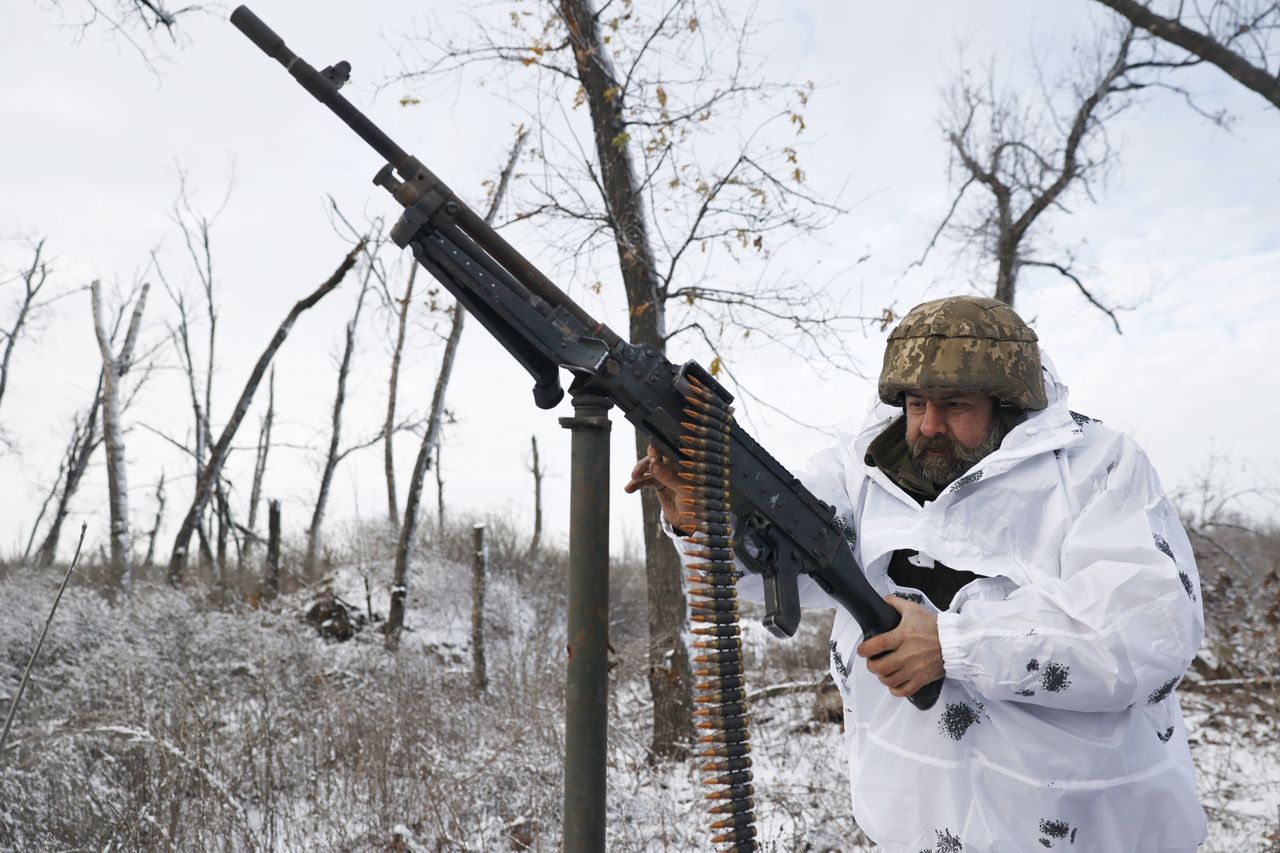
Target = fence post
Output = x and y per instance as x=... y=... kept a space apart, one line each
x=479 y=566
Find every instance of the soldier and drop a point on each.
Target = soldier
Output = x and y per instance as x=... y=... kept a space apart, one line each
x=1039 y=567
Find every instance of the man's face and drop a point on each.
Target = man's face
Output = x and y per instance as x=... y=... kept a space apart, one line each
x=948 y=432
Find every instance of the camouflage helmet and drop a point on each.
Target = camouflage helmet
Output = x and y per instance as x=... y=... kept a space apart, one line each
x=964 y=343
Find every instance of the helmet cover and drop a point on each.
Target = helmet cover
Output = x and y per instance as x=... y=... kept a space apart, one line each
x=964 y=343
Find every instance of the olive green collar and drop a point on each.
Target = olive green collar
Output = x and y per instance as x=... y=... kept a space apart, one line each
x=888 y=451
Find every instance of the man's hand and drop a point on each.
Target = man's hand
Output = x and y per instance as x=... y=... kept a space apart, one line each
x=912 y=654
x=657 y=472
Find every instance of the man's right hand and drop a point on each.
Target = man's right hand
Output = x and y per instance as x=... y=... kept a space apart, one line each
x=660 y=473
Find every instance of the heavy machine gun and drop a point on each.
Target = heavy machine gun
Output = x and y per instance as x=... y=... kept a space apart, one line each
x=781 y=530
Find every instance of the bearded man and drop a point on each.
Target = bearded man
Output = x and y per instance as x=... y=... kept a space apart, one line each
x=1039 y=568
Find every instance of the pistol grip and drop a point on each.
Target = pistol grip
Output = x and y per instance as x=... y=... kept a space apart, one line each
x=926 y=696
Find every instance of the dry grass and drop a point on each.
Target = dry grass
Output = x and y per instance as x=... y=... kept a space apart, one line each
x=189 y=720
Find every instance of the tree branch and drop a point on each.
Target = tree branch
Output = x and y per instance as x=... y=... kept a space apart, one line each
x=1066 y=273
x=1200 y=44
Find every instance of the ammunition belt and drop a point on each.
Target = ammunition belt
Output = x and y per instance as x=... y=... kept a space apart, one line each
x=721 y=698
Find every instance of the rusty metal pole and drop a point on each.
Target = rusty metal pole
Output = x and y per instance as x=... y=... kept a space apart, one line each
x=479 y=579
x=587 y=691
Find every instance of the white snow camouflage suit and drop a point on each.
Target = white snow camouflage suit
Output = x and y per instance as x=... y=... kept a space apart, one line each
x=1058 y=726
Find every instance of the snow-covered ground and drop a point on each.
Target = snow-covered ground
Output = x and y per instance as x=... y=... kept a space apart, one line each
x=173 y=724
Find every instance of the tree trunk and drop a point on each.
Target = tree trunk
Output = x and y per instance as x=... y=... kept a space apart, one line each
x=1006 y=270
x=44 y=507
x=670 y=681
x=113 y=437
x=84 y=440
x=113 y=370
x=182 y=340
x=431 y=439
x=155 y=528
x=536 y=469
x=439 y=495
x=206 y=552
x=335 y=435
x=479 y=568
x=224 y=526
x=271 y=585
x=226 y=529
x=670 y=675
x=260 y=466
x=409 y=527
x=389 y=427
x=33 y=280
x=218 y=455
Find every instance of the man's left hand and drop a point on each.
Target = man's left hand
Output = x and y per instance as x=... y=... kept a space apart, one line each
x=912 y=654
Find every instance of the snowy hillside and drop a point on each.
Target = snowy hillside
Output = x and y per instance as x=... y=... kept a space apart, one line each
x=175 y=724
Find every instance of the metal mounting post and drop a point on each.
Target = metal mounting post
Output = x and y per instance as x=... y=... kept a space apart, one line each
x=587 y=690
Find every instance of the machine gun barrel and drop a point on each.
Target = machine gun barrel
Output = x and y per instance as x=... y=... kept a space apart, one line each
x=322 y=88
x=416 y=180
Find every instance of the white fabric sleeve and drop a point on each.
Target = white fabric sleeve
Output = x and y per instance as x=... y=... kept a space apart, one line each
x=1118 y=627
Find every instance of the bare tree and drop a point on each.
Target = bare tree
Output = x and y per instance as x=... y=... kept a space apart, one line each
x=85 y=438
x=181 y=336
x=113 y=370
x=535 y=468
x=33 y=281
x=431 y=437
x=608 y=95
x=260 y=465
x=1236 y=36
x=409 y=526
x=650 y=177
x=44 y=507
x=210 y=475
x=388 y=428
x=155 y=526
x=196 y=228
x=227 y=535
x=1026 y=155
x=335 y=434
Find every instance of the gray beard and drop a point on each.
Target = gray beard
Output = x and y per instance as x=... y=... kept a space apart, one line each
x=944 y=470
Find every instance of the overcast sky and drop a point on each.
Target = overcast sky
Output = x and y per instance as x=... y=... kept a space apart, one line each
x=1185 y=227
